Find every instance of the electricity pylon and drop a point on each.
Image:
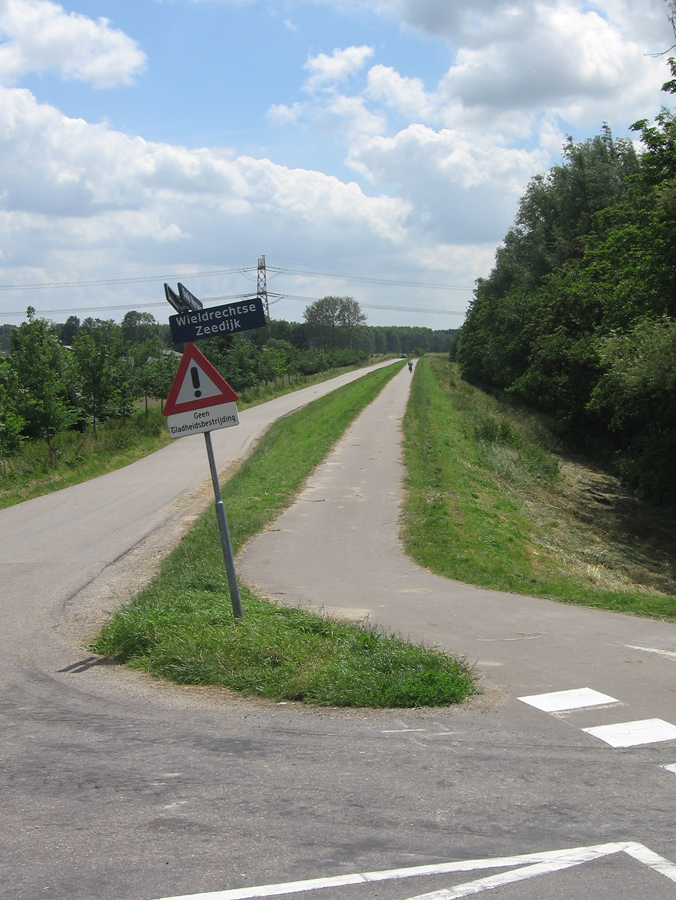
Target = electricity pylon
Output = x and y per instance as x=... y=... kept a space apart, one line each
x=261 y=285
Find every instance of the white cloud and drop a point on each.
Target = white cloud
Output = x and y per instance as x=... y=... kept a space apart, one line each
x=476 y=23
x=354 y=113
x=325 y=71
x=557 y=57
x=461 y=189
x=39 y=36
x=407 y=95
x=281 y=114
x=72 y=188
x=584 y=59
x=81 y=198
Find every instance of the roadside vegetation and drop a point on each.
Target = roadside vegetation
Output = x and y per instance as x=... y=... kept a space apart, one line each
x=70 y=393
x=578 y=316
x=182 y=628
x=494 y=500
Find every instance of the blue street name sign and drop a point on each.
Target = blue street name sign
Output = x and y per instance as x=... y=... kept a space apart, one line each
x=217 y=321
x=189 y=300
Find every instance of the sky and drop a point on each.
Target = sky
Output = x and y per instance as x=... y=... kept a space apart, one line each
x=367 y=148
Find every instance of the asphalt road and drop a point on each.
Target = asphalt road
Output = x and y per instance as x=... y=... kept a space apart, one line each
x=118 y=787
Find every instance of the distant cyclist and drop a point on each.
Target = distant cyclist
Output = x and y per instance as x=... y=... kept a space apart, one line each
x=410 y=365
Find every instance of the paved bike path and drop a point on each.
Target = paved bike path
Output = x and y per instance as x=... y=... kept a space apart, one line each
x=338 y=548
x=53 y=547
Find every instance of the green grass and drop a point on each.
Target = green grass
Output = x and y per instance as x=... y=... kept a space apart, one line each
x=80 y=457
x=182 y=628
x=492 y=501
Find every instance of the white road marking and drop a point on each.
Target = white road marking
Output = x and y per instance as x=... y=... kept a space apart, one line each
x=401 y=730
x=643 y=855
x=526 y=866
x=632 y=734
x=559 y=701
x=495 y=881
x=668 y=653
x=671 y=768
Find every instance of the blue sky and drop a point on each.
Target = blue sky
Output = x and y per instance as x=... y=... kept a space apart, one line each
x=383 y=143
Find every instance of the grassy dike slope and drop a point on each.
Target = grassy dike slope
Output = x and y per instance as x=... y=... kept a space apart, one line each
x=492 y=502
x=181 y=627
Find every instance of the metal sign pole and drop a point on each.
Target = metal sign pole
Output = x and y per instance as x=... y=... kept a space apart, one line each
x=223 y=530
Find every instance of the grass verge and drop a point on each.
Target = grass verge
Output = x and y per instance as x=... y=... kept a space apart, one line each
x=492 y=501
x=79 y=456
x=181 y=627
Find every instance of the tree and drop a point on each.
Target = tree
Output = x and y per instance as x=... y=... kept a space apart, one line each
x=123 y=377
x=11 y=423
x=321 y=317
x=158 y=374
x=334 y=322
x=279 y=358
x=350 y=319
x=149 y=358
x=638 y=394
x=37 y=367
x=533 y=299
x=6 y=336
x=577 y=316
x=138 y=327
x=68 y=330
x=92 y=365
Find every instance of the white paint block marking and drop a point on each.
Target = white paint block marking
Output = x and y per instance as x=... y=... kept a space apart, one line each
x=632 y=734
x=560 y=701
x=524 y=867
x=671 y=768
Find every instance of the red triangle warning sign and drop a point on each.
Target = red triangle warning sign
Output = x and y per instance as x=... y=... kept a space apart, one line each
x=197 y=385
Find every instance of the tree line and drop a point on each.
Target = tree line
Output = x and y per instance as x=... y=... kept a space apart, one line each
x=578 y=316
x=58 y=377
x=72 y=375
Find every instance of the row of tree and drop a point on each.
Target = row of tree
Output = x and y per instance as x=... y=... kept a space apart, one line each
x=65 y=375
x=339 y=323
x=578 y=316
x=47 y=387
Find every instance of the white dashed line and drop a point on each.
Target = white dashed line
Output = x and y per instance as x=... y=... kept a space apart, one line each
x=621 y=734
x=632 y=734
x=561 y=701
x=523 y=867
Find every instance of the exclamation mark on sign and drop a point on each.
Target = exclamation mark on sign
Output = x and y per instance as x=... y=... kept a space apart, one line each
x=195 y=375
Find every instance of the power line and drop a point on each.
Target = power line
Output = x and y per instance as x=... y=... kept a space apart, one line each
x=110 y=308
x=242 y=270
x=106 y=281
x=275 y=270
x=362 y=278
x=413 y=309
x=277 y=298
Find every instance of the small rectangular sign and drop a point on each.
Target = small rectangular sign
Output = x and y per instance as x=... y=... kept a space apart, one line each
x=223 y=415
x=217 y=321
x=189 y=300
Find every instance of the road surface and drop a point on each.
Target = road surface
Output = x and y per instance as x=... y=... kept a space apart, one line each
x=117 y=787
